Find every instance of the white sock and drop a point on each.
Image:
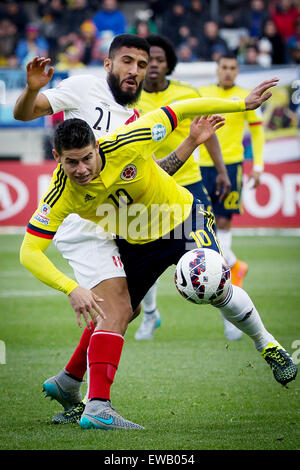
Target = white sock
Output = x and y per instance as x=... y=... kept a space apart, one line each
x=239 y=309
x=149 y=301
x=225 y=239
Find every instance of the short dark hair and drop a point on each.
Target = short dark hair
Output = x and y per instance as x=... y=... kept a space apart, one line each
x=128 y=40
x=73 y=134
x=227 y=55
x=167 y=46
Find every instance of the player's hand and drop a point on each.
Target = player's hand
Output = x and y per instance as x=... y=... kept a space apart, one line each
x=86 y=303
x=202 y=128
x=259 y=94
x=223 y=186
x=254 y=179
x=37 y=74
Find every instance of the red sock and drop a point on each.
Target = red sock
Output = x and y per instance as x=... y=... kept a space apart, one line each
x=78 y=363
x=104 y=354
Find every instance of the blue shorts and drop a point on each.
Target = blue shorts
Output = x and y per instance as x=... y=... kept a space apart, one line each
x=199 y=191
x=144 y=263
x=232 y=203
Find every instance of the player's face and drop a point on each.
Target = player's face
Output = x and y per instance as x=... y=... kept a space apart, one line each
x=126 y=72
x=158 y=65
x=80 y=165
x=227 y=71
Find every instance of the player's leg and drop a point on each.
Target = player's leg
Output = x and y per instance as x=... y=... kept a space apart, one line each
x=210 y=200
x=238 y=309
x=96 y=263
x=151 y=316
x=223 y=213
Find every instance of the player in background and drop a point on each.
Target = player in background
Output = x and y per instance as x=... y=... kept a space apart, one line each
x=231 y=142
x=101 y=168
x=159 y=91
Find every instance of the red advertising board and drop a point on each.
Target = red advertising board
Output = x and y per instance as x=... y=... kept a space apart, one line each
x=276 y=203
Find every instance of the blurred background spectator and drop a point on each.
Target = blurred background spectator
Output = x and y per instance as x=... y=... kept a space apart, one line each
x=31 y=45
x=110 y=18
x=261 y=32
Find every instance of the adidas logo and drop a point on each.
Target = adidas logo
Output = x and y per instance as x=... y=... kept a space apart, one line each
x=88 y=197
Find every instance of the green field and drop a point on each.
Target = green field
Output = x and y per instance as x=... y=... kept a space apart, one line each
x=189 y=387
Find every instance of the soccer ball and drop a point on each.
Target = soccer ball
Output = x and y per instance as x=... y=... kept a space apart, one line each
x=202 y=276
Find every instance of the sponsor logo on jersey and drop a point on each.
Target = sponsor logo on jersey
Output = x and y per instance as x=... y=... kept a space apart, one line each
x=158 y=132
x=43 y=220
x=129 y=172
x=45 y=210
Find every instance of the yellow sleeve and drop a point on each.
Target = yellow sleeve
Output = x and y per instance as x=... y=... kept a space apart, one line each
x=32 y=257
x=257 y=141
x=201 y=106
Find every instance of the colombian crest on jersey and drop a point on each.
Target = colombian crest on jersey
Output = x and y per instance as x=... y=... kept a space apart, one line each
x=129 y=172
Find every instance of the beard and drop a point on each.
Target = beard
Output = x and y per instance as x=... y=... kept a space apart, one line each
x=122 y=97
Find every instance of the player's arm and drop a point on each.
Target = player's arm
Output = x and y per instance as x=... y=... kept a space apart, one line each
x=201 y=129
x=223 y=184
x=33 y=258
x=202 y=106
x=257 y=141
x=31 y=104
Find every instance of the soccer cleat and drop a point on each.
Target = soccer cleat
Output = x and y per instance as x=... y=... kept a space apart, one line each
x=101 y=415
x=73 y=415
x=231 y=332
x=238 y=272
x=63 y=389
x=281 y=363
x=150 y=322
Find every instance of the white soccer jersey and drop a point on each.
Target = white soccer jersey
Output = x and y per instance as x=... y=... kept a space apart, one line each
x=93 y=257
x=89 y=98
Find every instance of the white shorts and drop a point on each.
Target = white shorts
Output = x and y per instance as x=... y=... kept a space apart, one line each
x=91 y=252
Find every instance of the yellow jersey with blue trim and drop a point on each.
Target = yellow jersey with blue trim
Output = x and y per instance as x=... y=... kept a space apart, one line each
x=132 y=196
x=175 y=91
x=231 y=134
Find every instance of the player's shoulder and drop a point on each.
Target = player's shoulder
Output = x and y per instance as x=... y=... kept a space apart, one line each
x=182 y=87
x=240 y=91
x=207 y=89
x=81 y=80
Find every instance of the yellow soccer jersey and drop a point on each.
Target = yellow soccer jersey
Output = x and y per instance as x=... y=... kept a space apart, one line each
x=132 y=196
x=149 y=101
x=231 y=135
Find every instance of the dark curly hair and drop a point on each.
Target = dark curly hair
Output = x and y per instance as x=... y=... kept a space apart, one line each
x=167 y=46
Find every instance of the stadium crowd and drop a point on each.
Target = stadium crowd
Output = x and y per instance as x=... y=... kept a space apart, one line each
x=77 y=33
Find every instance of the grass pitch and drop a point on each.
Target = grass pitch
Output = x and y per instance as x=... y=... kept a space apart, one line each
x=190 y=388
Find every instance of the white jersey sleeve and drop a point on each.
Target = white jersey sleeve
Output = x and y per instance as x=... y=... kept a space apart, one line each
x=89 y=97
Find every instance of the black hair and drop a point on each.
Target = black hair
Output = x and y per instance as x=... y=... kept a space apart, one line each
x=167 y=46
x=73 y=134
x=128 y=40
x=228 y=55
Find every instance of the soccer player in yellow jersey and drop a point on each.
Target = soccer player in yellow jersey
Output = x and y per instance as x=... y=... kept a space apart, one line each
x=231 y=141
x=159 y=91
x=119 y=185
